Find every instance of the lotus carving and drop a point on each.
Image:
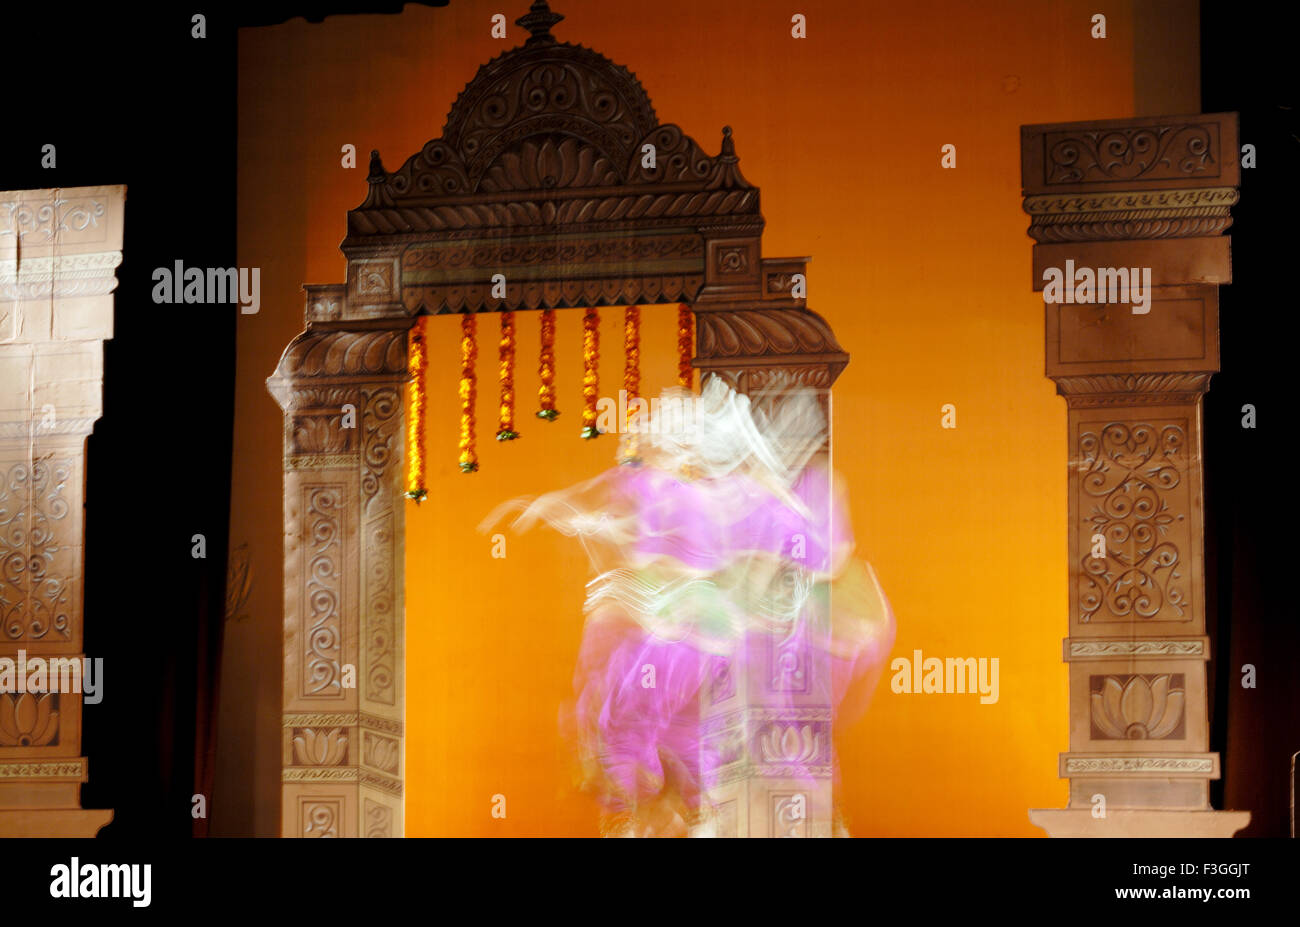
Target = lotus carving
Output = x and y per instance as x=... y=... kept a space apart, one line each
x=790 y=744
x=1144 y=708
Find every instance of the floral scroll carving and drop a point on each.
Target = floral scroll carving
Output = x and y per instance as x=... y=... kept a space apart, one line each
x=35 y=601
x=1132 y=493
x=379 y=819
x=320 y=817
x=324 y=549
x=44 y=220
x=1136 y=153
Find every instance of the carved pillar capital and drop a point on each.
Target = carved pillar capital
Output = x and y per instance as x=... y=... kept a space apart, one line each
x=750 y=345
x=344 y=705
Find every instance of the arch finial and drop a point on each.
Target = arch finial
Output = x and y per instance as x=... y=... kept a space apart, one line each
x=538 y=20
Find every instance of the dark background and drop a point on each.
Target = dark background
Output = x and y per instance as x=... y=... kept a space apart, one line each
x=1249 y=66
x=129 y=98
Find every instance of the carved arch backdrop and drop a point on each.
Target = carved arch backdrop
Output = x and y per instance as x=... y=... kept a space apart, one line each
x=538 y=176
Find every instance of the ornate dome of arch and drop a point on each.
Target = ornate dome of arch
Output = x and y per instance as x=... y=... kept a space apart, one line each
x=554 y=90
x=544 y=116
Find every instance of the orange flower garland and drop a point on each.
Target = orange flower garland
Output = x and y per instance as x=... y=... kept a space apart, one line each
x=417 y=365
x=468 y=354
x=631 y=376
x=546 y=368
x=506 y=431
x=590 y=371
x=685 y=346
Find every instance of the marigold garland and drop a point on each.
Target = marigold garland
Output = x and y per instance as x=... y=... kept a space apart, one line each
x=631 y=377
x=685 y=346
x=590 y=371
x=468 y=354
x=417 y=365
x=546 y=368
x=506 y=356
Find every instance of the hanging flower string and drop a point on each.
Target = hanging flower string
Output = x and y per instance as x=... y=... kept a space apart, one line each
x=590 y=371
x=506 y=431
x=417 y=365
x=546 y=368
x=685 y=346
x=468 y=354
x=631 y=377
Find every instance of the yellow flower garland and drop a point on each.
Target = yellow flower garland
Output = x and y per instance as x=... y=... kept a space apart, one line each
x=631 y=377
x=590 y=371
x=417 y=365
x=546 y=368
x=468 y=354
x=506 y=431
x=685 y=346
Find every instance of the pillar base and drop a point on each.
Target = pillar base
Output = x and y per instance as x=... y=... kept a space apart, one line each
x=1070 y=822
x=53 y=822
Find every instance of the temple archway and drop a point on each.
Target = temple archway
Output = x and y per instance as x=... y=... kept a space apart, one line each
x=541 y=174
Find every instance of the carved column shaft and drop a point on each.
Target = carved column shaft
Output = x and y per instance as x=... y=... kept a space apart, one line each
x=344 y=686
x=770 y=726
x=58 y=254
x=1128 y=216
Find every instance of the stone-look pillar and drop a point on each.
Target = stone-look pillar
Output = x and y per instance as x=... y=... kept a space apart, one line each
x=58 y=253
x=343 y=395
x=772 y=725
x=1139 y=193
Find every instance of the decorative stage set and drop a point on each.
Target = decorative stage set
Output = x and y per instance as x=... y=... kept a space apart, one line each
x=554 y=186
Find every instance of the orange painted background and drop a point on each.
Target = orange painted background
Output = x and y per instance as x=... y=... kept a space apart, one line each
x=923 y=273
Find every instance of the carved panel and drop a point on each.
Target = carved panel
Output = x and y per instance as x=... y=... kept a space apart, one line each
x=1120 y=153
x=789 y=669
x=733 y=259
x=380 y=618
x=321 y=817
x=29 y=719
x=322 y=433
x=579 y=212
x=374 y=280
x=790 y=811
x=320 y=746
x=37 y=222
x=35 y=586
x=380 y=752
x=383 y=428
x=379 y=819
x=322 y=618
x=549 y=162
x=799 y=746
x=470 y=261
x=1137 y=707
x=629 y=290
x=1133 y=491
